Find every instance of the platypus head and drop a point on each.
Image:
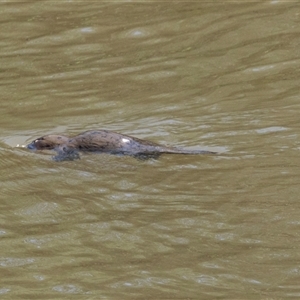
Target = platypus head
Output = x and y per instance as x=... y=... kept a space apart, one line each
x=48 y=142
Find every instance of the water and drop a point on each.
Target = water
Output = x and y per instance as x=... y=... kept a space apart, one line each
x=213 y=76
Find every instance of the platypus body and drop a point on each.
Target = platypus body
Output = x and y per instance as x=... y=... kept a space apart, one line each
x=104 y=141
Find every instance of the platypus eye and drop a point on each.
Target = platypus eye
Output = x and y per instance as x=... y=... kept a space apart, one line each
x=41 y=144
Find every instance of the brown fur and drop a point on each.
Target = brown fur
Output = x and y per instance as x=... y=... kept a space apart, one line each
x=105 y=141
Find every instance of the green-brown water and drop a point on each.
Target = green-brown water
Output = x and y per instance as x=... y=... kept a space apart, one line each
x=215 y=76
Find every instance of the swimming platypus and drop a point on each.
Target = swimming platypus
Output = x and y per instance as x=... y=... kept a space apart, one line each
x=104 y=141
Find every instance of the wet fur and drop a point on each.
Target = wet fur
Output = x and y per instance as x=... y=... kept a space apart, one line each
x=105 y=142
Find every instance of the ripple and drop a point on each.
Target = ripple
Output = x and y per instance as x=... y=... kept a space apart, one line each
x=68 y=288
x=271 y=129
x=135 y=33
x=16 y=262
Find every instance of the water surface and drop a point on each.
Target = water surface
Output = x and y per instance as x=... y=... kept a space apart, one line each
x=214 y=76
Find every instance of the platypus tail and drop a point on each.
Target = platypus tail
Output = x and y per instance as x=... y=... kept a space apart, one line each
x=185 y=151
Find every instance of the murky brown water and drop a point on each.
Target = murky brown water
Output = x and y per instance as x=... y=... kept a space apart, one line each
x=216 y=76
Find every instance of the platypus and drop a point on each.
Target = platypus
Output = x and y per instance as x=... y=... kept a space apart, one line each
x=104 y=141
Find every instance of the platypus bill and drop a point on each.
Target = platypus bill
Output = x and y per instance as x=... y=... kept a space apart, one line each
x=104 y=141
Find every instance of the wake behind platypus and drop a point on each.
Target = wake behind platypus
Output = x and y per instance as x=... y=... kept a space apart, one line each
x=104 y=141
